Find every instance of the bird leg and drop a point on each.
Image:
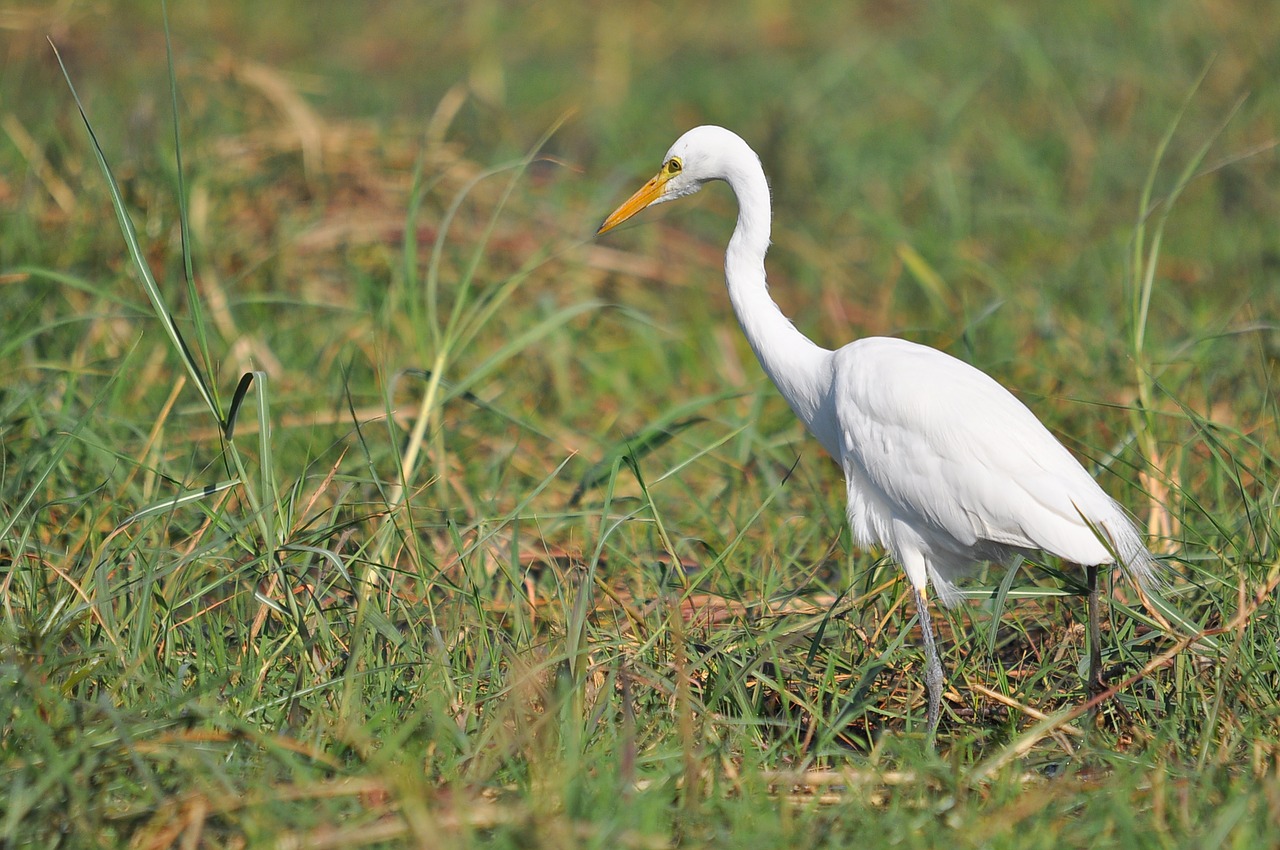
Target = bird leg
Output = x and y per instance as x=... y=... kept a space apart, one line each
x=933 y=666
x=1094 y=685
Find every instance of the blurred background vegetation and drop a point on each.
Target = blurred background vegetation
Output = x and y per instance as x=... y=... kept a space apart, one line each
x=967 y=174
x=1000 y=147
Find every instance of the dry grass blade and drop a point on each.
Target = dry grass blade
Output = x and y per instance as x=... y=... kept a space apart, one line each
x=53 y=182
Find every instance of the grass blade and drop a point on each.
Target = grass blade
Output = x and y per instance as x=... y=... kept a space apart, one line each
x=194 y=370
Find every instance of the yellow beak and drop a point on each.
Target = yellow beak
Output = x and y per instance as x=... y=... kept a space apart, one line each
x=647 y=194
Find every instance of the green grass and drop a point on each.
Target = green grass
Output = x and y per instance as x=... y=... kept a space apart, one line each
x=512 y=544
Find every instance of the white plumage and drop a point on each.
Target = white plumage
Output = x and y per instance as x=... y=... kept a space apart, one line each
x=944 y=467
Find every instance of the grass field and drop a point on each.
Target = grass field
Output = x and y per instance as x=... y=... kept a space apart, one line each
x=512 y=544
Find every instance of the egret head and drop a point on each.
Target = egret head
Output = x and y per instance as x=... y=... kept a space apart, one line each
x=700 y=155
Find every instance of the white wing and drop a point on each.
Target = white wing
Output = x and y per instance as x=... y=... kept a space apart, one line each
x=942 y=459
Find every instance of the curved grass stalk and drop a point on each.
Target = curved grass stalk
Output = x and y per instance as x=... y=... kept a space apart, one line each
x=470 y=313
x=1145 y=256
x=193 y=367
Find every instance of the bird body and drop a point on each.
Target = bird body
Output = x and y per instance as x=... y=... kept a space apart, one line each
x=944 y=467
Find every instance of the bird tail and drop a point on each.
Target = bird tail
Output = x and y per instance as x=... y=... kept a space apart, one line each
x=1124 y=541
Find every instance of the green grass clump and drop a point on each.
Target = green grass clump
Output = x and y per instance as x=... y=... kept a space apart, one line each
x=350 y=494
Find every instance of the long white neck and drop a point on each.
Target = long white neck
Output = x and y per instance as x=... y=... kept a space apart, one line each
x=799 y=368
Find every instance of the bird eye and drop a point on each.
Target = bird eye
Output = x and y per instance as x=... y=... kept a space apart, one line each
x=674 y=165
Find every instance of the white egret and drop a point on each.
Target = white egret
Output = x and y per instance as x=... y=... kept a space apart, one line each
x=944 y=467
